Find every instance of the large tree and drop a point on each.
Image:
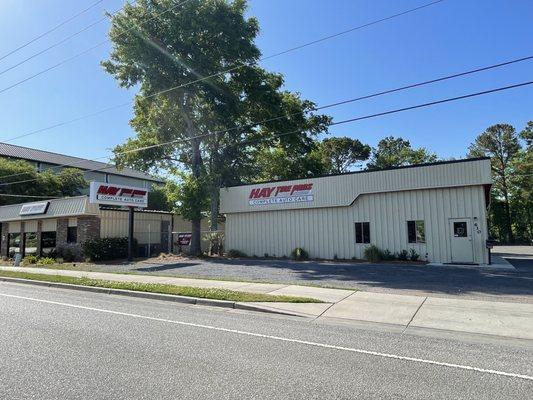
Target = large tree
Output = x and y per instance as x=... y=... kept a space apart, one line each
x=396 y=152
x=341 y=153
x=207 y=124
x=68 y=182
x=501 y=143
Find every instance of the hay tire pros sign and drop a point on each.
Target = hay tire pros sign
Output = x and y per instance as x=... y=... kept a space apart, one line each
x=281 y=194
x=118 y=195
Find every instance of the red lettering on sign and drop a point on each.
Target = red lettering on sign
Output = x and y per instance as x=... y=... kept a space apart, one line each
x=109 y=190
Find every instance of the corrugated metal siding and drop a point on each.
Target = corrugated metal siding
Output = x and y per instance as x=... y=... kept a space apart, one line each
x=342 y=190
x=30 y=226
x=49 y=225
x=146 y=227
x=330 y=232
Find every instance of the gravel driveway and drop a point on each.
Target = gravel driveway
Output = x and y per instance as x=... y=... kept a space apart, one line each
x=503 y=285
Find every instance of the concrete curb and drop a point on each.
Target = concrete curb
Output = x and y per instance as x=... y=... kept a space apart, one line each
x=149 y=295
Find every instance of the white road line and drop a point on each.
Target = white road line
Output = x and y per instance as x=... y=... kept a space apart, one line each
x=283 y=339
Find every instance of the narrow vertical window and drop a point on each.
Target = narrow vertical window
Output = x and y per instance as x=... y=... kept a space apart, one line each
x=362 y=232
x=416 y=232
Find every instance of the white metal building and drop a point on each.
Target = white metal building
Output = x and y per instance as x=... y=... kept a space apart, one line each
x=438 y=209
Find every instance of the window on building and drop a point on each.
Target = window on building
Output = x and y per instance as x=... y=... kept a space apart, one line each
x=416 y=232
x=72 y=234
x=362 y=232
x=48 y=242
x=14 y=243
x=460 y=229
x=30 y=243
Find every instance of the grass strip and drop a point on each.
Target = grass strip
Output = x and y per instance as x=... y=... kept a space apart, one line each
x=204 y=293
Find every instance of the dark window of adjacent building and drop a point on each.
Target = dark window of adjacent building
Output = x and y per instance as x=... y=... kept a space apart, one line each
x=48 y=242
x=14 y=243
x=416 y=232
x=460 y=229
x=362 y=232
x=72 y=234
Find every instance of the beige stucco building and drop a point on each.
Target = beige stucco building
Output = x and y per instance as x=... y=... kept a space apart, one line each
x=439 y=210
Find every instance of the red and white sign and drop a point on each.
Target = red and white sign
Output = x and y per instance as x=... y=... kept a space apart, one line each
x=281 y=194
x=184 y=238
x=118 y=195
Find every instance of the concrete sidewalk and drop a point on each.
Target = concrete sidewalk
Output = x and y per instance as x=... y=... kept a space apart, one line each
x=407 y=312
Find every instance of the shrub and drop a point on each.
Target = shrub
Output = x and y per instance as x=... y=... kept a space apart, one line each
x=46 y=261
x=388 y=255
x=30 y=259
x=299 y=254
x=403 y=255
x=413 y=255
x=233 y=253
x=373 y=254
x=99 y=249
x=216 y=242
x=70 y=252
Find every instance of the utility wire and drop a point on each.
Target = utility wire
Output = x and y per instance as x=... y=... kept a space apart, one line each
x=27 y=195
x=351 y=100
x=350 y=120
x=51 y=30
x=66 y=39
x=75 y=56
x=230 y=69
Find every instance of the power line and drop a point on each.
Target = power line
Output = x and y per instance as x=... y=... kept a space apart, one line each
x=230 y=69
x=351 y=100
x=75 y=56
x=52 y=29
x=66 y=39
x=350 y=120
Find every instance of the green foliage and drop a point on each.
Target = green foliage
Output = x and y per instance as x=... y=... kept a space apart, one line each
x=101 y=249
x=299 y=254
x=396 y=152
x=387 y=255
x=155 y=51
x=502 y=144
x=216 y=242
x=233 y=253
x=373 y=254
x=192 y=200
x=30 y=259
x=46 y=261
x=158 y=199
x=68 y=182
x=403 y=255
x=413 y=255
x=340 y=154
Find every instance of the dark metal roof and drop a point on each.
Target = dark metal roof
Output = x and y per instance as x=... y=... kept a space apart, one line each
x=26 y=153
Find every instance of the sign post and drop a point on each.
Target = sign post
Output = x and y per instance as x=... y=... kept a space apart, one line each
x=120 y=195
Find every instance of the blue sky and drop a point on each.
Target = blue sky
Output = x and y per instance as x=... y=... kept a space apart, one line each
x=445 y=38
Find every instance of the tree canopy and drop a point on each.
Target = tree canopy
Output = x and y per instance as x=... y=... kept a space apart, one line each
x=209 y=126
x=68 y=182
x=340 y=154
x=396 y=152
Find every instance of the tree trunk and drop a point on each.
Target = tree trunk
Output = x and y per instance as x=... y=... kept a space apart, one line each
x=215 y=205
x=196 y=230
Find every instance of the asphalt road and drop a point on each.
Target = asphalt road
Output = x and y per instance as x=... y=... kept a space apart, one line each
x=59 y=344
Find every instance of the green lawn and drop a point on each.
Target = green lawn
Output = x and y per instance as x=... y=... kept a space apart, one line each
x=205 y=293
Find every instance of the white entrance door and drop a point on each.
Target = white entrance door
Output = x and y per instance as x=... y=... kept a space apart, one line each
x=461 y=240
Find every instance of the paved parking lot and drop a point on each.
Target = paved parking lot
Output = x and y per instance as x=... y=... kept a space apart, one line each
x=444 y=281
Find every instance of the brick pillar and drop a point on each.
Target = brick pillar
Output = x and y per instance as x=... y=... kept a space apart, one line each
x=61 y=232
x=22 y=247
x=4 y=244
x=38 y=236
x=88 y=228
